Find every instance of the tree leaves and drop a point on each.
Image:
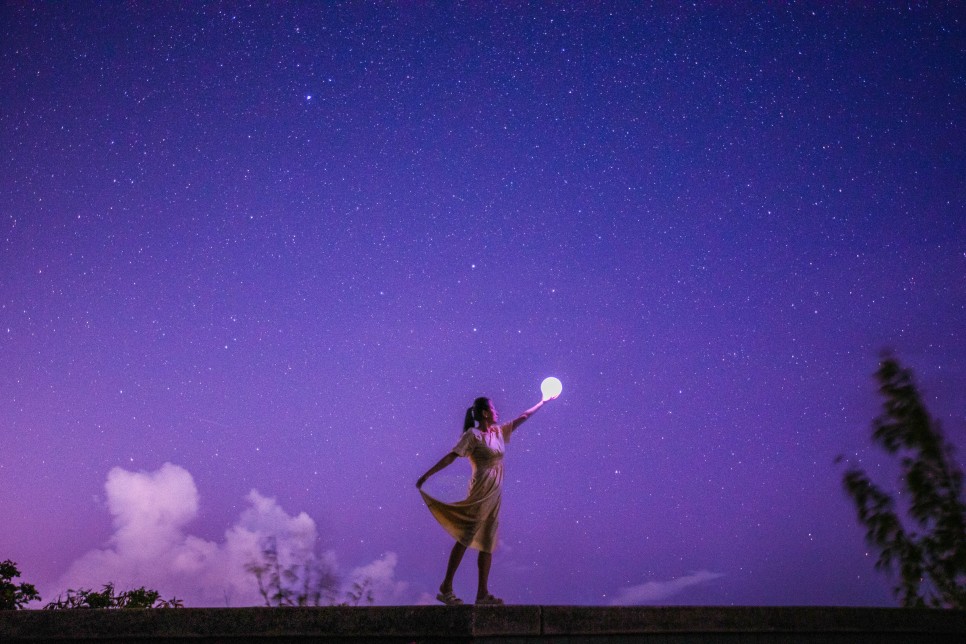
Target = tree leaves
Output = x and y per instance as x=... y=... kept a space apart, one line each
x=303 y=580
x=14 y=596
x=928 y=553
x=107 y=599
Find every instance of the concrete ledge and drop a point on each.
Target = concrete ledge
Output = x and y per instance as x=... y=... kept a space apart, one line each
x=489 y=624
x=585 y=620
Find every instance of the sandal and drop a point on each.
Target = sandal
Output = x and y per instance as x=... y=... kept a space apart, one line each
x=449 y=599
x=489 y=600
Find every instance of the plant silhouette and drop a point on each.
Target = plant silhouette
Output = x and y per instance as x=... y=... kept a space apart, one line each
x=927 y=552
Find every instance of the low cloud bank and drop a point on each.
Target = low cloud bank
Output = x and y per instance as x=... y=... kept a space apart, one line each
x=656 y=591
x=150 y=546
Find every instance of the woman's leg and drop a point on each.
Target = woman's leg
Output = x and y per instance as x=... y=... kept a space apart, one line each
x=483 y=563
x=455 y=557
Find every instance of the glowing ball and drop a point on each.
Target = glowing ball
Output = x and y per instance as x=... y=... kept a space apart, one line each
x=551 y=388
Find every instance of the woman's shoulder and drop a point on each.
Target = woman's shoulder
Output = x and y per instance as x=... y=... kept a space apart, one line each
x=467 y=442
x=480 y=435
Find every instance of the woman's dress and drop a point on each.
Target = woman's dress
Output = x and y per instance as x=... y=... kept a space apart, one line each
x=474 y=520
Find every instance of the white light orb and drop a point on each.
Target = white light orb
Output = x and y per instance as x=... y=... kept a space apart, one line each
x=550 y=388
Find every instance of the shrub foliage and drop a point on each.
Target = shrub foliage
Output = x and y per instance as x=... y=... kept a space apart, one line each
x=926 y=552
x=109 y=599
x=14 y=596
x=302 y=580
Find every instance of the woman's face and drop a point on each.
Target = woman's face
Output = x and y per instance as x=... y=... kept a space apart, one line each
x=489 y=413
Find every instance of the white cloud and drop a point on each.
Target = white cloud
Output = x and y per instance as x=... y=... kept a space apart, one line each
x=655 y=591
x=150 y=546
x=381 y=577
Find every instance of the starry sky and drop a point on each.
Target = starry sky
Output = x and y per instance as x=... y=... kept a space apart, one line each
x=257 y=259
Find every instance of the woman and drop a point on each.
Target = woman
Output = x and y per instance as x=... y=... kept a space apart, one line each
x=473 y=521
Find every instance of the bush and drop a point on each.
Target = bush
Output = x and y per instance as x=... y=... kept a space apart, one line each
x=106 y=598
x=14 y=596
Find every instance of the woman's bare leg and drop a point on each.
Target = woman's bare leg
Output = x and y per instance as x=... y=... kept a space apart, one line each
x=455 y=557
x=483 y=563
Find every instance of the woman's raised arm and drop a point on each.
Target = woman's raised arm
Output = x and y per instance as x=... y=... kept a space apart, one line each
x=519 y=420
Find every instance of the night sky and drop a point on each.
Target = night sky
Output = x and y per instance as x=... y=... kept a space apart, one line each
x=282 y=247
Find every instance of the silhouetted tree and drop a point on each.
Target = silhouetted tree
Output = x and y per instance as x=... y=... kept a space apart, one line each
x=304 y=581
x=14 y=596
x=927 y=552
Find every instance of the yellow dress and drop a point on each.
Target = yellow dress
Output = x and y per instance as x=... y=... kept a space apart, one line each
x=474 y=520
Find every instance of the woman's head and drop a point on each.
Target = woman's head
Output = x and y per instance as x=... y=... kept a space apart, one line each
x=482 y=409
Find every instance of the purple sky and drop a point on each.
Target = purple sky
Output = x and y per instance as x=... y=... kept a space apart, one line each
x=282 y=248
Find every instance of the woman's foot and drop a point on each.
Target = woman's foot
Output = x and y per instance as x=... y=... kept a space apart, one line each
x=489 y=600
x=449 y=598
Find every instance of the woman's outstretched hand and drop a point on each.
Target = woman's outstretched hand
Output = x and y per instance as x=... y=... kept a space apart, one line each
x=550 y=388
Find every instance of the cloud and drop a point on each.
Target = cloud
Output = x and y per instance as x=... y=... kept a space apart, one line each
x=380 y=577
x=151 y=547
x=655 y=591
